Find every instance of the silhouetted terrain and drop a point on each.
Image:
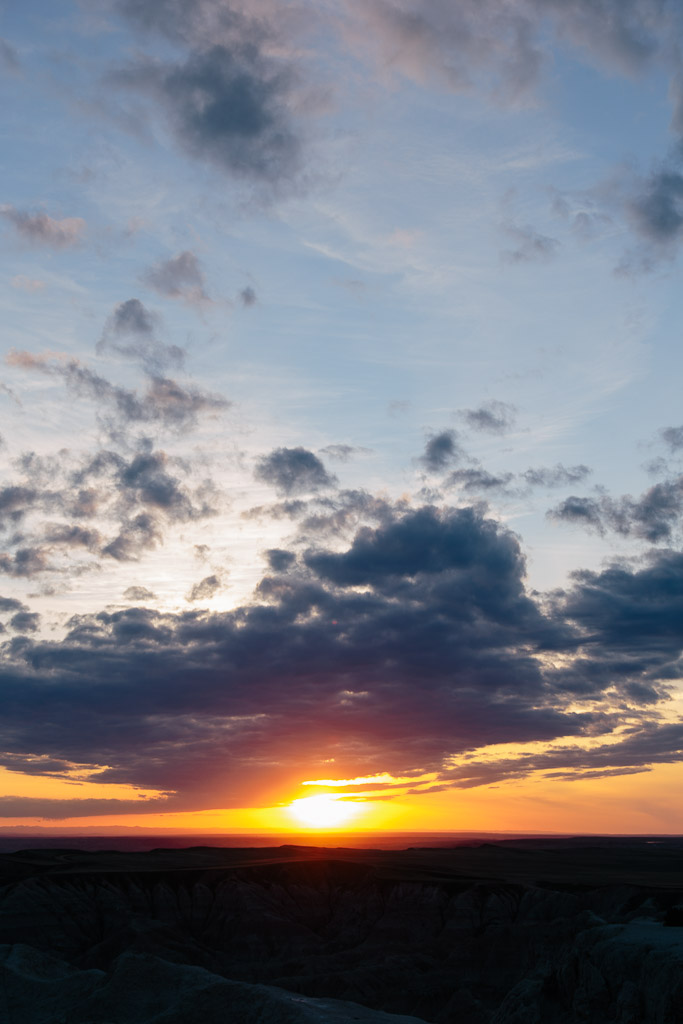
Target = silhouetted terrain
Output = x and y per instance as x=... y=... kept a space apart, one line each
x=544 y=931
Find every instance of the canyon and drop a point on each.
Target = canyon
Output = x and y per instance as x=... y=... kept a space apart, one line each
x=528 y=931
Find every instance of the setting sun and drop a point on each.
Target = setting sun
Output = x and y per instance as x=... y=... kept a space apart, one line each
x=323 y=811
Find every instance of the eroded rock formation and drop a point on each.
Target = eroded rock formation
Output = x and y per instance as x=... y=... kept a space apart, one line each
x=303 y=935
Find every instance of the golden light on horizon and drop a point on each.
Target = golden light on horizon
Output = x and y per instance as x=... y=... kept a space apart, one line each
x=325 y=811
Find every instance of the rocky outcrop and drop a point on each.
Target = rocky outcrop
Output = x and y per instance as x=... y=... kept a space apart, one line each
x=38 y=989
x=287 y=938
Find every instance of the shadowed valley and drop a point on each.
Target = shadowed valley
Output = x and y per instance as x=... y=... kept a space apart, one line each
x=516 y=932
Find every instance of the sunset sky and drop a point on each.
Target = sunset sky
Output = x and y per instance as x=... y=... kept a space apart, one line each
x=342 y=442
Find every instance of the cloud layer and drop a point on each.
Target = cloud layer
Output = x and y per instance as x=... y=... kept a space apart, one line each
x=405 y=652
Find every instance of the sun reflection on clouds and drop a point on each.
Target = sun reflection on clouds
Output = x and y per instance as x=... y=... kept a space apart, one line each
x=381 y=779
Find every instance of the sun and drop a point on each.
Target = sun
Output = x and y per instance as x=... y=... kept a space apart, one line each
x=323 y=811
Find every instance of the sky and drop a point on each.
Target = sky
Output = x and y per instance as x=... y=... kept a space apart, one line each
x=342 y=441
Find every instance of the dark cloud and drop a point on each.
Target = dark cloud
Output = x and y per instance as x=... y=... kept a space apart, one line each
x=530 y=245
x=52 y=809
x=229 y=105
x=655 y=516
x=492 y=417
x=136 y=535
x=657 y=208
x=441 y=450
x=132 y=318
x=398 y=675
x=328 y=516
x=43 y=229
x=72 y=536
x=280 y=560
x=673 y=436
x=25 y=622
x=11 y=604
x=205 y=589
x=15 y=502
x=25 y=561
x=584 y=511
x=293 y=471
x=165 y=401
x=478 y=480
x=147 y=480
x=405 y=652
x=180 y=277
x=129 y=502
x=137 y=593
x=631 y=621
x=130 y=331
x=651 y=744
x=421 y=542
x=556 y=476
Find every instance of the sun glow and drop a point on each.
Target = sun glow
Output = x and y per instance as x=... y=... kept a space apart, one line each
x=323 y=811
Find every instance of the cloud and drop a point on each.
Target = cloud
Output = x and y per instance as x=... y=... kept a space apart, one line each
x=137 y=593
x=441 y=450
x=418 y=543
x=409 y=650
x=492 y=417
x=657 y=208
x=460 y=46
x=72 y=536
x=652 y=744
x=45 y=230
x=129 y=502
x=343 y=452
x=530 y=245
x=654 y=517
x=478 y=480
x=673 y=436
x=130 y=331
x=165 y=401
x=653 y=207
x=583 y=213
x=25 y=561
x=9 y=58
x=25 y=622
x=15 y=502
x=556 y=476
x=180 y=277
x=630 y=618
x=205 y=589
x=147 y=480
x=502 y=51
x=280 y=560
x=293 y=471
x=228 y=105
x=136 y=535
